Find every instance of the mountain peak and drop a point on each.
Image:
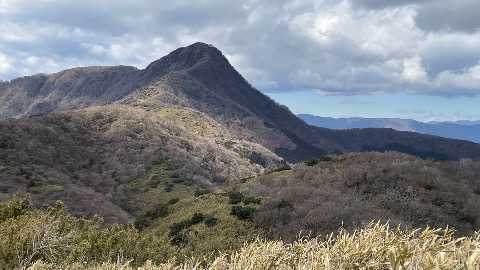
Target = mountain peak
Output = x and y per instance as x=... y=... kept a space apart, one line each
x=186 y=57
x=200 y=45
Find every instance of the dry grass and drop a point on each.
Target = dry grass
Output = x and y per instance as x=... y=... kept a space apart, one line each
x=189 y=119
x=376 y=246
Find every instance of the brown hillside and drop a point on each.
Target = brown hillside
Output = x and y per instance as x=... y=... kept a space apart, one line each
x=350 y=190
x=82 y=157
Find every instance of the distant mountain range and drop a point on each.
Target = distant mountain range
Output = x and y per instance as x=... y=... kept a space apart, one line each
x=463 y=130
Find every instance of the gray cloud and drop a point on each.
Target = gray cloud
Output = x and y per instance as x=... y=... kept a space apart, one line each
x=380 y=4
x=332 y=47
x=446 y=15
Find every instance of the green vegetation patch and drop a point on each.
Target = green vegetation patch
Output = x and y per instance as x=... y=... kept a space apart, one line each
x=202 y=225
x=282 y=175
x=149 y=195
x=184 y=220
x=43 y=188
x=189 y=119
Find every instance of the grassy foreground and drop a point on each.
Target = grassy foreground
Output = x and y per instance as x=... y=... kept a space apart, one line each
x=49 y=238
x=376 y=246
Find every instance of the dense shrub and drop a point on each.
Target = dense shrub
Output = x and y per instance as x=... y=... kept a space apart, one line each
x=177 y=237
x=285 y=204
x=210 y=222
x=147 y=218
x=243 y=212
x=16 y=206
x=200 y=192
x=235 y=197
x=251 y=200
x=197 y=218
x=51 y=235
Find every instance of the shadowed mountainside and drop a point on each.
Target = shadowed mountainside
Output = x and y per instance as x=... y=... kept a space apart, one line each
x=200 y=77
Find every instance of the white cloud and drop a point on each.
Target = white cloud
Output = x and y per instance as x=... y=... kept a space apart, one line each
x=13 y=32
x=413 y=70
x=32 y=60
x=468 y=80
x=96 y=48
x=335 y=47
x=5 y=64
x=449 y=51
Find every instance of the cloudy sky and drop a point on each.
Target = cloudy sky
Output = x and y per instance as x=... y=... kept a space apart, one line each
x=417 y=59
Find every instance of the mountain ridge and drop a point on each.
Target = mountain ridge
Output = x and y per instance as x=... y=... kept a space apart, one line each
x=462 y=130
x=82 y=87
x=200 y=77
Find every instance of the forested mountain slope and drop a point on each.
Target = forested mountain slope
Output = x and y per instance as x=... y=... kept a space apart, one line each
x=85 y=157
x=350 y=190
x=69 y=89
x=200 y=77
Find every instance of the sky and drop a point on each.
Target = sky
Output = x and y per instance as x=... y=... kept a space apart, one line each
x=413 y=59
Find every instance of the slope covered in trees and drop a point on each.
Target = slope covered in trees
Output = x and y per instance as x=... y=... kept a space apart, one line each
x=349 y=190
x=86 y=157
